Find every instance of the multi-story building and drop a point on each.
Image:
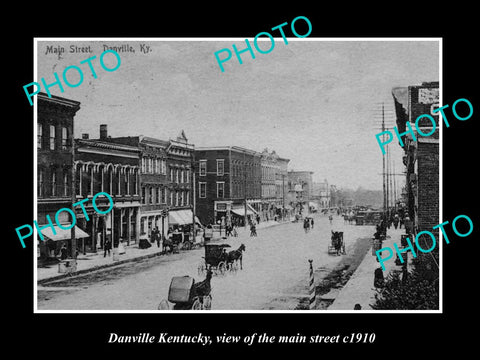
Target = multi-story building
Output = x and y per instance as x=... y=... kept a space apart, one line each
x=55 y=118
x=321 y=194
x=180 y=160
x=281 y=184
x=165 y=182
x=299 y=190
x=421 y=156
x=228 y=184
x=274 y=185
x=153 y=178
x=104 y=166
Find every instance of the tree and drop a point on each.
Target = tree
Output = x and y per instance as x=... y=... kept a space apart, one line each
x=419 y=290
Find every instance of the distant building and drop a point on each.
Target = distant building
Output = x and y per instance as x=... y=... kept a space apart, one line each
x=300 y=187
x=274 y=184
x=321 y=194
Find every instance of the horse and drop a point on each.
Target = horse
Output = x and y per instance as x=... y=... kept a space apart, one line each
x=236 y=255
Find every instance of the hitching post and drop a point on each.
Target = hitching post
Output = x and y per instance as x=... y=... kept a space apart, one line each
x=312 y=287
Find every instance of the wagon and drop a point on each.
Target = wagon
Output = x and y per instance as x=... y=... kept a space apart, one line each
x=337 y=245
x=215 y=258
x=183 y=296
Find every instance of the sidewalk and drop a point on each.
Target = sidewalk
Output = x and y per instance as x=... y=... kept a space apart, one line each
x=95 y=261
x=360 y=289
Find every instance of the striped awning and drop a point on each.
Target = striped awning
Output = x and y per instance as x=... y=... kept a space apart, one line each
x=62 y=234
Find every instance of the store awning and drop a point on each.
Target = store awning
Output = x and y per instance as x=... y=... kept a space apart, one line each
x=62 y=234
x=182 y=217
x=240 y=211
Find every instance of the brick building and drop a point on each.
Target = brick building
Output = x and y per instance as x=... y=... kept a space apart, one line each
x=105 y=166
x=55 y=118
x=421 y=156
x=165 y=181
x=274 y=171
x=300 y=186
x=228 y=181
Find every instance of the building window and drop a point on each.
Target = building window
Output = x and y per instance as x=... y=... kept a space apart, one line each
x=177 y=175
x=220 y=163
x=171 y=174
x=54 y=183
x=203 y=167
x=39 y=135
x=159 y=196
x=182 y=199
x=52 y=137
x=152 y=195
x=181 y=176
x=187 y=197
x=177 y=202
x=171 y=198
x=202 y=190
x=64 y=138
x=40 y=183
x=65 y=183
x=164 y=196
x=143 y=195
x=220 y=189
x=164 y=167
x=143 y=165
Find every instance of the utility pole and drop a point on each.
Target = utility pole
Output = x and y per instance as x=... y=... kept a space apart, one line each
x=245 y=189
x=73 y=197
x=383 y=159
x=192 y=179
x=283 y=197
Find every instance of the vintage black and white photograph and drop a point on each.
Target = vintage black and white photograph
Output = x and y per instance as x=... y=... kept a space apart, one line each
x=237 y=175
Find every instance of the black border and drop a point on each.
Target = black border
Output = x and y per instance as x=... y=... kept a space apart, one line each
x=50 y=334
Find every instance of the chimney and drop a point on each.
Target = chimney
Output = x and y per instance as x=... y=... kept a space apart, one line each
x=85 y=136
x=103 y=131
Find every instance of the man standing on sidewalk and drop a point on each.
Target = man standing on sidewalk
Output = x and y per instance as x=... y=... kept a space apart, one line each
x=108 y=246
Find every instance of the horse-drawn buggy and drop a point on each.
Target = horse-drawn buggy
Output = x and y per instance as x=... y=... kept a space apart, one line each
x=185 y=294
x=219 y=261
x=337 y=245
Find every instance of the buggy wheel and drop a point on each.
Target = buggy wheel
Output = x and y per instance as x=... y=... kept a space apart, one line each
x=207 y=302
x=231 y=267
x=201 y=268
x=187 y=245
x=164 y=305
x=222 y=267
x=197 y=305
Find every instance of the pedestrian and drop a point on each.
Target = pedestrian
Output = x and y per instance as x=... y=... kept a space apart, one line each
x=306 y=225
x=63 y=252
x=330 y=218
x=253 y=229
x=157 y=236
x=258 y=219
x=107 y=247
x=208 y=233
x=395 y=221
x=311 y=222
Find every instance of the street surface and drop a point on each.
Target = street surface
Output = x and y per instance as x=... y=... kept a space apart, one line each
x=274 y=277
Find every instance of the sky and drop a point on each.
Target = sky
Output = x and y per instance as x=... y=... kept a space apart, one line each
x=313 y=101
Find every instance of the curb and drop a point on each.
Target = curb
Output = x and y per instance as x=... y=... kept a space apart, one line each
x=119 y=262
x=95 y=268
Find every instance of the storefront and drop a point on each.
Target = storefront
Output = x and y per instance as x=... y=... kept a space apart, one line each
x=55 y=238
